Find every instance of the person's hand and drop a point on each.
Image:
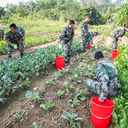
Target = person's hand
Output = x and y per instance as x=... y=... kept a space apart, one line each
x=19 y=48
x=84 y=34
x=101 y=100
x=68 y=43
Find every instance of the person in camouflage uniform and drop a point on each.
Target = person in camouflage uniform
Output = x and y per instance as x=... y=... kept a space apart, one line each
x=66 y=37
x=91 y=35
x=108 y=84
x=1 y=34
x=85 y=34
x=116 y=35
x=15 y=36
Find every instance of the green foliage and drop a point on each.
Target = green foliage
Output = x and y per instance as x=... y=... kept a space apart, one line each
x=78 y=71
x=65 y=70
x=19 y=117
x=57 y=74
x=60 y=92
x=29 y=42
x=72 y=118
x=75 y=79
x=81 y=94
x=34 y=96
x=68 y=87
x=122 y=16
x=50 y=82
x=74 y=101
x=120 y=114
x=96 y=17
x=16 y=70
x=47 y=106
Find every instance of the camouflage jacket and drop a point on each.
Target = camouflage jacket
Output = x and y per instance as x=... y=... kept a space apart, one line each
x=91 y=35
x=118 y=32
x=67 y=35
x=108 y=77
x=1 y=34
x=84 y=29
x=14 y=38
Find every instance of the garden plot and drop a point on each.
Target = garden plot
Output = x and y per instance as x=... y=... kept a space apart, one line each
x=59 y=96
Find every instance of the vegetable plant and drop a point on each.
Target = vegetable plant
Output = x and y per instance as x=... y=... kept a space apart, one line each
x=57 y=74
x=50 y=82
x=35 y=96
x=27 y=83
x=72 y=118
x=75 y=79
x=60 y=92
x=47 y=106
x=68 y=87
x=74 y=101
x=19 y=117
x=78 y=71
x=65 y=70
x=81 y=94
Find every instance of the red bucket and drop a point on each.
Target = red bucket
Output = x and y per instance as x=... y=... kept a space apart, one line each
x=89 y=46
x=115 y=53
x=60 y=62
x=101 y=112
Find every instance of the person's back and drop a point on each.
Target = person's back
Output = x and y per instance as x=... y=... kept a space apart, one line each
x=20 y=30
x=119 y=32
x=106 y=68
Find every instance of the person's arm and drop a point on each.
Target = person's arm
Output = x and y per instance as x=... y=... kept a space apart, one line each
x=7 y=39
x=72 y=36
x=103 y=77
x=63 y=35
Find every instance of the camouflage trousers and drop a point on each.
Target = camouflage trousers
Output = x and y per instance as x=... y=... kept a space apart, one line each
x=22 y=48
x=96 y=88
x=114 y=43
x=67 y=52
x=85 y=43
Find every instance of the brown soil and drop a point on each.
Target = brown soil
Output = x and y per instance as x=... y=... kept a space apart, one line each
x=33 y=113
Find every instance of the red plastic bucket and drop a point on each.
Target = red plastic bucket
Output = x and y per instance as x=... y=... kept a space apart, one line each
x=89 y=46
x=60 y=62
x=115 y=53
x=101 y=112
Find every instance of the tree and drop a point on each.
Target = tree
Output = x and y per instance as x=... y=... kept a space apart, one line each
x=2 y=11
x=96 y=17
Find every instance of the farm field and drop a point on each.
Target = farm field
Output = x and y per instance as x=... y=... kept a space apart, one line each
x=49 y=85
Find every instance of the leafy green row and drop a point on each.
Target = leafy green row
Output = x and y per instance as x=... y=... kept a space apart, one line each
x=29 y=41
x=120 y=115
x=17 y=70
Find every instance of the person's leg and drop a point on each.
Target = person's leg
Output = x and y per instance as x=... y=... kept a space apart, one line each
x=83 y=44
x=114 y=43
x=87 y=43
x=9 y=51
x=93 y=86
x=65 y=46
x=69 y=52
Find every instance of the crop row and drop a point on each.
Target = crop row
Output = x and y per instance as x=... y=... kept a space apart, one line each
x=120 y=115
x=29 y=41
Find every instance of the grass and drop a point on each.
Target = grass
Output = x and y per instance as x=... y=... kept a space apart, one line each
x=37 y=26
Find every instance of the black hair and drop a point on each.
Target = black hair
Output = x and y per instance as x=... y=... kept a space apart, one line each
x=96 y=32
x=98 y=55
x=71 y=22
x=12 y=26
x=89 y=16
